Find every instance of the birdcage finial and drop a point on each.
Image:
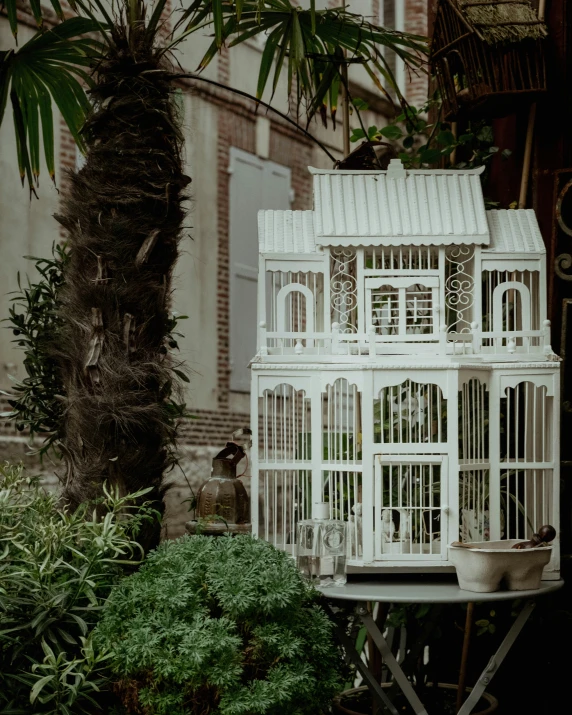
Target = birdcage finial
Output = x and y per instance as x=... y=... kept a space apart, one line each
x=396 y=170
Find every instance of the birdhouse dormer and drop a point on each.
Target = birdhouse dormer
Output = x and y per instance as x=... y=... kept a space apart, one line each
x=400 y=262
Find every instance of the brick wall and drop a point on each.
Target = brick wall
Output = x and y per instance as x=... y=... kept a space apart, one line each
x=295 y=153
x=225 y=123
x=212 y=427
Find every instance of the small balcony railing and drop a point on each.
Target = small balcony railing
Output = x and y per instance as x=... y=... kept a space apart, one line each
x=372 y=344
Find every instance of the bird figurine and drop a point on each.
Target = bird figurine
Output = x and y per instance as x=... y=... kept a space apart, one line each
x=545 y=535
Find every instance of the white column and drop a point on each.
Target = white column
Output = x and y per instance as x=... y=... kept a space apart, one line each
x=317 y=441
x=368 y=500
x=555 y=560
x=494 y=456
x=450 y=509
x=254 y=481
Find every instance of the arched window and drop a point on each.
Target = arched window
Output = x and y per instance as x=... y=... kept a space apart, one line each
x=511 y=307
x=410 y=413
x=295 y=312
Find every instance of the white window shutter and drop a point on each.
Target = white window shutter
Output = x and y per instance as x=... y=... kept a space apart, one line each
x=254 y=184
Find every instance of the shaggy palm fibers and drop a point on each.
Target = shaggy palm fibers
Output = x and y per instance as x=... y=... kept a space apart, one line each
x=123 y=216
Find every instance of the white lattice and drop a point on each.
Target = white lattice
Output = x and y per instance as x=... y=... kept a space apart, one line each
x=343 y=287
x=459 y=288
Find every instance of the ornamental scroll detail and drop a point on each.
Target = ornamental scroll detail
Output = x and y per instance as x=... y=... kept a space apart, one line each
x=562 y=212
x=459 y=289
x=343 y=288
x=562 y=263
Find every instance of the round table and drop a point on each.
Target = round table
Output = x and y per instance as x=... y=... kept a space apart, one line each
x=424 y=592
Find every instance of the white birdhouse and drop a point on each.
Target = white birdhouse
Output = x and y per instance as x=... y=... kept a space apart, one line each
x=404 y=372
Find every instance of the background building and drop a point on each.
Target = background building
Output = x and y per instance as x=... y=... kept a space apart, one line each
x=240 y=161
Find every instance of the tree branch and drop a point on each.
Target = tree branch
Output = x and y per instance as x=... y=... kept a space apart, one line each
x=306 y=133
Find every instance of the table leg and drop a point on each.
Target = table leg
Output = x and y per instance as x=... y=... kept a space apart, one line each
x=390 y=661
x=465 y=655
x=496 y=660
x=351 y=653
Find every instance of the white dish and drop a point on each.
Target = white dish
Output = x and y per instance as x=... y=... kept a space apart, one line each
x=488 y=564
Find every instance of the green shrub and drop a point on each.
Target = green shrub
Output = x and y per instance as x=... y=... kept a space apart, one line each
x=219 y=625
x=56 y=571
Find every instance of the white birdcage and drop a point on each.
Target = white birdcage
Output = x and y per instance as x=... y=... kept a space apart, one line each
x=404 y=372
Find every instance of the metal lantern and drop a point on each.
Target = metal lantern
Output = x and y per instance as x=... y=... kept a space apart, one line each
x=223 y=505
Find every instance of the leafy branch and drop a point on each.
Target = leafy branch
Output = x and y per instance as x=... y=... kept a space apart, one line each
x=421 y=143
x=38 y=401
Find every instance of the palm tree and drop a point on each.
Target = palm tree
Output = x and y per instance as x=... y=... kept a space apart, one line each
x=123 y=216
x=124 y=209
x=313 y=47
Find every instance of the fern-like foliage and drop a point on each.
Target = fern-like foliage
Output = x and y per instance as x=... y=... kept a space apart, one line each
x=219 y=625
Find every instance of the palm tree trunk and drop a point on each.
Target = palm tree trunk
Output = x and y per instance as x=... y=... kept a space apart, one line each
x=123 y=216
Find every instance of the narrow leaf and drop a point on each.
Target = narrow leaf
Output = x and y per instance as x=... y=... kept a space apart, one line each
x=155 y=18
x=38 y=686
x=12 y=12
x=5 y=79
x=267 y=60
x=21 y=145
x=218 y=22
x=37 y=12
x=58 y=9
x=47 y=120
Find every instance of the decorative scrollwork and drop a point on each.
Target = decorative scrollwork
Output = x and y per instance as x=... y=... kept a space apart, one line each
x=562 y=263
x=563 y=195
x=343 y=287
x=459 y=289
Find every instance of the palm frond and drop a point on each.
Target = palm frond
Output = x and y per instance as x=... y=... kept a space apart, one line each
x=309 y=43
x=47 y=68
x=35 y=5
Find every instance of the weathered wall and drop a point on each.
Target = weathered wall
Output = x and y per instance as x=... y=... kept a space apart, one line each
x=196 y=275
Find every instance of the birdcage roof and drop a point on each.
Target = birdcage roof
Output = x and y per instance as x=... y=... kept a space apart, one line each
x=286 y=232
x=514 y=231
x=498 y=23
x=399 y=207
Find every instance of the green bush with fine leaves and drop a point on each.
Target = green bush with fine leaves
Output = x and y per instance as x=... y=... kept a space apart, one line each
x=56 y=570
x=221 y=626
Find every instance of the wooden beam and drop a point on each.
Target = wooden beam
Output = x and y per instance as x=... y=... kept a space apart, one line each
x=444 y=49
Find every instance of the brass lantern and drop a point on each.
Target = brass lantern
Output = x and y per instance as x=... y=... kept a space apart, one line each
x=223 y=505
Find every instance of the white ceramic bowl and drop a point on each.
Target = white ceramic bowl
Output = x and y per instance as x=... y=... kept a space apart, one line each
x=483 y=567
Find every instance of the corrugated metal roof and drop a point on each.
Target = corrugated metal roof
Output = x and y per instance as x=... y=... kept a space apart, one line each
x=514 y=231
x=286 y=232
x=397 y=207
